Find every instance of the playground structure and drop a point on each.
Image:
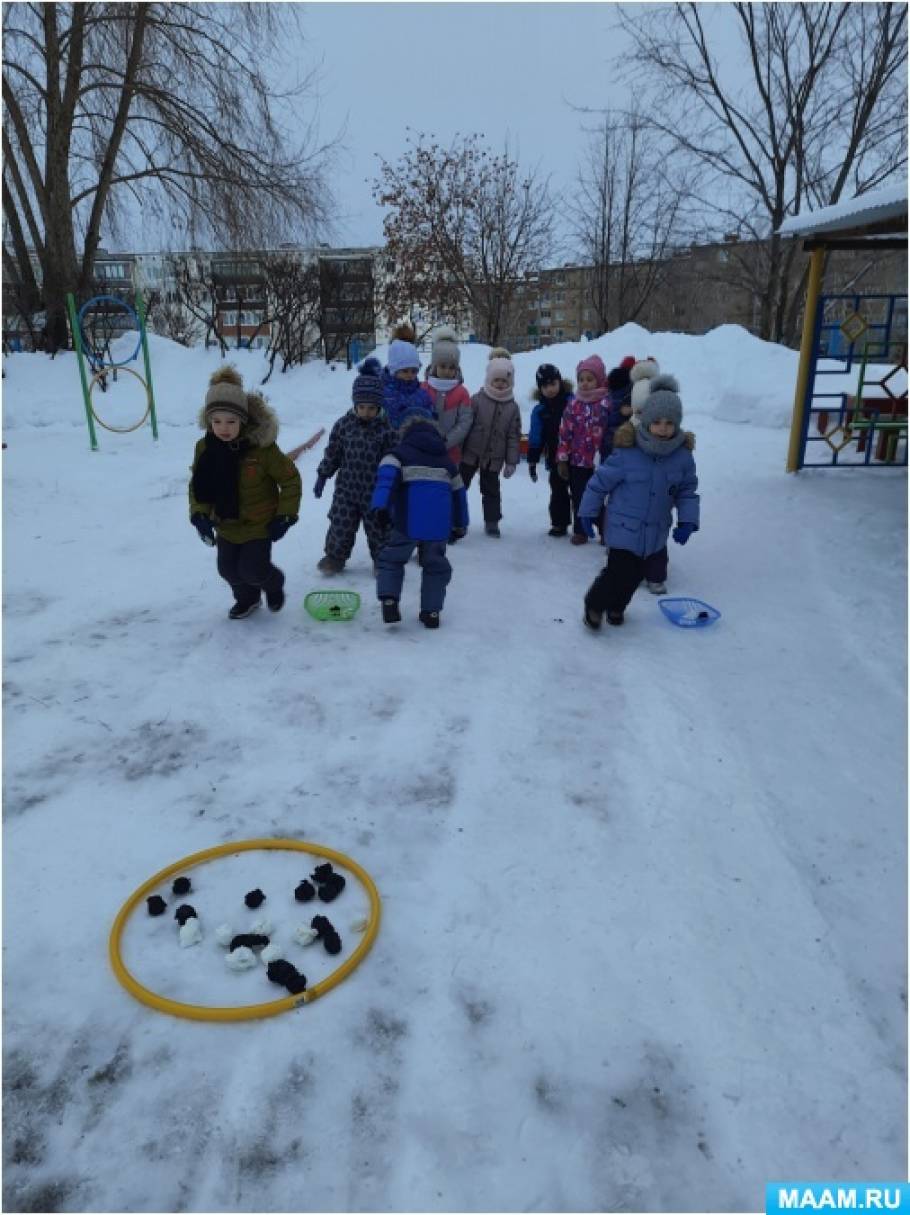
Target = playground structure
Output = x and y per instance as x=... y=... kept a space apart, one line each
x=94 y=326
x=851 y=334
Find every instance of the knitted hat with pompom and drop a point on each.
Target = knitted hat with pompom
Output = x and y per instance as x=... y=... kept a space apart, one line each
x=662 y=401
x=226 y=393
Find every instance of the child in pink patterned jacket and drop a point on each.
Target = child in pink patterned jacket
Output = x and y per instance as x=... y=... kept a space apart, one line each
x=581 y=433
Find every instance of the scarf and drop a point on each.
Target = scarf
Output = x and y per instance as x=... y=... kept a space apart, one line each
x=498 y=394
x=591 y=396
x=443 y=385
x=216 y=481
x=653 y=446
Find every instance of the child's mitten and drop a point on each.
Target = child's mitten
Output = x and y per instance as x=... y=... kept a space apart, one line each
x=587 y=526
x=683 y=531
x=532 y=472
x=304 y=892
x=319 y=487
x=203 y=526
x=508 y=470
x=279 y=525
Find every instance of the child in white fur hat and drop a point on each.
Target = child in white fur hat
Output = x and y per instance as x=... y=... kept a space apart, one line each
x=493 y=442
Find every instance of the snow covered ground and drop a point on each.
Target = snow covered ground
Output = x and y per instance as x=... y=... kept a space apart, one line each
x=644 y=893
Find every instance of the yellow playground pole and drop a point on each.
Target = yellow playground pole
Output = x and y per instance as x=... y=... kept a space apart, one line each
x=813 y=289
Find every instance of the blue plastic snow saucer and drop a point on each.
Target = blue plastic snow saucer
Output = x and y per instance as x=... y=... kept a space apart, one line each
x=689 y=613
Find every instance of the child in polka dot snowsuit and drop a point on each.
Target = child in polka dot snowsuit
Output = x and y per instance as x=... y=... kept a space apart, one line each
x=356 y=445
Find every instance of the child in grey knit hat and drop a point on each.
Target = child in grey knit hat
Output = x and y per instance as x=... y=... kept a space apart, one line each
x=644 y=483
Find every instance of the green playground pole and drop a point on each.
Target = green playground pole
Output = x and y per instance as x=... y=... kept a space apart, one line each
x=77 y=342
x=140 y=312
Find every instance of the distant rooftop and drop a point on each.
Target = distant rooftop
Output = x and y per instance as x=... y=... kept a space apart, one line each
x=879 y=211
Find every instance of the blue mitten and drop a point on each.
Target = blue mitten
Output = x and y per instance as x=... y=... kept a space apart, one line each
x=587 y=526
x=683 y=531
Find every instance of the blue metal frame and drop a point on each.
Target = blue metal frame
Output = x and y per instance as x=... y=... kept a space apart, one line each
x=880 y=348
x=96 y=361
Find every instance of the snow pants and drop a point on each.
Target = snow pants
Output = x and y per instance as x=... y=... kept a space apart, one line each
x=578 y=481
x=560 y=501
x=345 y=517
x=248 y=569
x=614 y=586
x=435 y=570
x=490 y=494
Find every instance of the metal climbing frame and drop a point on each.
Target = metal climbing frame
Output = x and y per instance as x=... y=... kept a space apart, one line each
x=864 y=336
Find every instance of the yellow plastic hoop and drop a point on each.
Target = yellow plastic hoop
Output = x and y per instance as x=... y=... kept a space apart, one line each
x=120 y=430
x=242 y=1012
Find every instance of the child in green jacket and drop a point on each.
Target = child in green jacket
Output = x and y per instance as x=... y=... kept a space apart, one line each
x=244 y=492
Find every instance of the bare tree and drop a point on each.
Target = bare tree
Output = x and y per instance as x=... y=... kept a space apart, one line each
x=472 y=215
x=113 y=107
x=625 y=213
x=168 y=318
x=294 y=311
x=817 y=107
x=196 y=294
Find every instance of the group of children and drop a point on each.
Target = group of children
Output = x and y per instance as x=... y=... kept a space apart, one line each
x=406 y=452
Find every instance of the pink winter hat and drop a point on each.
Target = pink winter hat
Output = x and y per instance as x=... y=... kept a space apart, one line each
x=595 y=364
x=498 y=367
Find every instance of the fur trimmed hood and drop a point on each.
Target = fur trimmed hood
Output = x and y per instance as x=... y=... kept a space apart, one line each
x=261 y=428
x=566 y=388
x=625 y=437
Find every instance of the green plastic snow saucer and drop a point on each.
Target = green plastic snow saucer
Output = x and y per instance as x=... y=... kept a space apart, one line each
x=332 y=605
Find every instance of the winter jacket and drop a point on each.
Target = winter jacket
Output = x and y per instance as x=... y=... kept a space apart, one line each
x=642 y=490
x=581 y=432
x=495 y=435
x=353 y=451
x=400 y=396
x=269 y=480
x=543 y=432
x=454 y=416
x=617 y=400
x=420 y=486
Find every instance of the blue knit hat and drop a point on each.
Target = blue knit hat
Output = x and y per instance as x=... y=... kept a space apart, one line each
x=402 y=355
x=367 y=390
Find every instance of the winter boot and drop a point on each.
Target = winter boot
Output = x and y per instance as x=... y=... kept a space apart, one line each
x=330 y=565
x=240 y=610
x=492 y=529
x=579 y=538
x=657 y=588
x=593 y=617
x=557 y=531
x=615 y=618
x=275 y=599
x=429 y=620
x=390 y=612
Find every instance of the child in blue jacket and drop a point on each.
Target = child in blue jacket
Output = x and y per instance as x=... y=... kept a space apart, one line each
x=552 y=395
x=402 y=390
x=420 y=493
x=643 y=482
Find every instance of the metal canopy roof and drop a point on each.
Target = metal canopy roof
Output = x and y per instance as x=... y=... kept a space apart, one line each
x=874 y=214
